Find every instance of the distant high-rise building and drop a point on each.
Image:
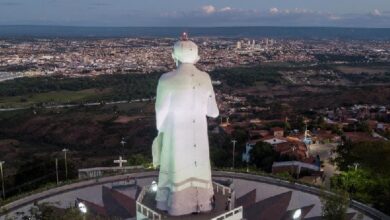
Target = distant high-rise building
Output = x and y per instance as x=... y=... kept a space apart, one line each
x=238 y=44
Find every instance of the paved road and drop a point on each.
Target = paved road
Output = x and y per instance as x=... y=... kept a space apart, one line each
x=323 y=150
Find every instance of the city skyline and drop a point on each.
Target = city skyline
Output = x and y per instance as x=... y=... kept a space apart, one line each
x=200 y=13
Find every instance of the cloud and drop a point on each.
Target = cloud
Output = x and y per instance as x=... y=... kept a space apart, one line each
x=13 y=3
x=210 y=15
x=206 y=15
x=376 y=12
x=273 y=11
x=334 y=17
x=209 y=9
x=226 y=9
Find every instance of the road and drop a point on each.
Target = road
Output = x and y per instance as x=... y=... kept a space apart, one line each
x=323 y=150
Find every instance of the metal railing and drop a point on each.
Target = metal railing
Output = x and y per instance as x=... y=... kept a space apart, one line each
x=365 y=209
x=99 y=171
x=144 y=210
x=297 y=164
x=237 y=211
x=221 y=188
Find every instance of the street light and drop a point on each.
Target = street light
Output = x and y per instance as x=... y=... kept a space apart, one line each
x=297 y=214
x=356 y=165
x=83 y=209
x=57 y=170
x=66 y=164
x=234 y=150
x=123 y=142
x=154 y=186
x=2 y=178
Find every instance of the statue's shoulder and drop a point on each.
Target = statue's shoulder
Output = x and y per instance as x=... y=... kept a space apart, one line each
x=166 y=76
x=204 y=75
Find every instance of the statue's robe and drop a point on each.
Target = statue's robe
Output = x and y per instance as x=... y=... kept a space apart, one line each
x=184 y=98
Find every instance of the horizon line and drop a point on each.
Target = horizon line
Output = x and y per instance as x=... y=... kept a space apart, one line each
x=190 y=26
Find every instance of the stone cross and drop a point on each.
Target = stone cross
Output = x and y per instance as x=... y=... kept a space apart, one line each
x=120 y=161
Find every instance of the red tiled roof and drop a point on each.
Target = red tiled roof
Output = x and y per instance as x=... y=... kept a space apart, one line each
x=360 y=136
x=277 y=129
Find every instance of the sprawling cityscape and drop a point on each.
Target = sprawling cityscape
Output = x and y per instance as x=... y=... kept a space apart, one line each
x=81 y=57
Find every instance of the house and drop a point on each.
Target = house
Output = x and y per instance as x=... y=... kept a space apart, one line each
x=296 y=149
x=274 y=140
x=277 y=131
x=360 y=137
x=326 y=136
x=258 y=133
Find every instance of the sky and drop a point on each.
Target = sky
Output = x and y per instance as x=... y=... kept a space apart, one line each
x=338 y=13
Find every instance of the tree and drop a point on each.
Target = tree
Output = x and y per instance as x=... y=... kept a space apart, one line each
x=40 y=171
x=46 y=211
x=370 y=182
x=137 y=159
x=334 y=205
x=263 y=156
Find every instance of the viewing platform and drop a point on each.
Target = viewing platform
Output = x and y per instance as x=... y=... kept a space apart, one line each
x=128 y=196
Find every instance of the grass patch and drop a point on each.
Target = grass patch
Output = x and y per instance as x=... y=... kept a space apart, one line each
x=54 y=97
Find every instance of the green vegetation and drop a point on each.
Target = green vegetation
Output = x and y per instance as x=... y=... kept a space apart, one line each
x=58 y=90
x=36 y=173
x=54 y=90
x=337 y=57
x=139 y=159
x=241 y=77
x=335 y=205
x=56 y=97
x=47 y=211
x=366 y=174
x=131 y=82
x=263 y=155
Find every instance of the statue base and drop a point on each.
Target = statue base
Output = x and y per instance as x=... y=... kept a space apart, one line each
x=223 y=207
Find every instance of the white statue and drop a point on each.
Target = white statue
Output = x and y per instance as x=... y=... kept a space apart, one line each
x=185 y=97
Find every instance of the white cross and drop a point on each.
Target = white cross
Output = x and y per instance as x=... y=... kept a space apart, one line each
x=120 y=161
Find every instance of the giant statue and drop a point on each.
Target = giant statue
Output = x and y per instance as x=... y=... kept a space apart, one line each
x=184 y=98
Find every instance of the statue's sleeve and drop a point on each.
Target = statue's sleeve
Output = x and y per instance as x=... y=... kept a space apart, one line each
x=212 y=107
x=162 y=104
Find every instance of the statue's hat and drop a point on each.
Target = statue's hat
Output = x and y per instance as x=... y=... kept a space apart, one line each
x=185 y=50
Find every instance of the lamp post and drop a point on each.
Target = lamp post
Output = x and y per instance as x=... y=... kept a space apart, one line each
x=57 y=170
x=2 y=178
x=297 y=214
x=83 y=209
x=123 y=142
x=66 y=163
x=356 y=165
x=234 y=150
